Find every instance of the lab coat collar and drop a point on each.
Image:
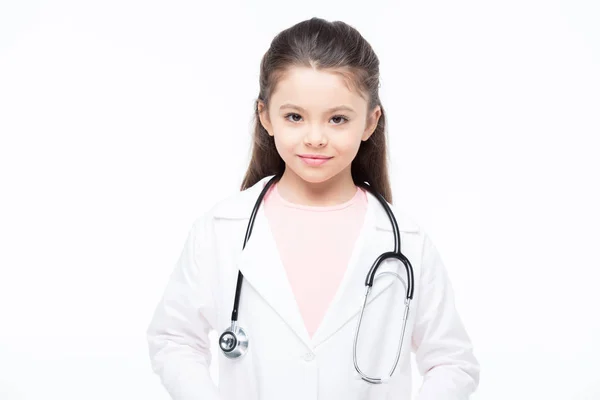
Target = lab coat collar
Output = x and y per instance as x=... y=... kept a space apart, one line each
x=241 y=204
x=261 y=265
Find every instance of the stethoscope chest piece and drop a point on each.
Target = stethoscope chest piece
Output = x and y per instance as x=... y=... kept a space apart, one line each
x=234 y=342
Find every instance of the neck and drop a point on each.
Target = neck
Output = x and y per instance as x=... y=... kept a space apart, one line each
x=333 y=191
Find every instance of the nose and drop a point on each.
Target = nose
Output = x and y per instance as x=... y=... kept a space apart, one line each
x=315 y=137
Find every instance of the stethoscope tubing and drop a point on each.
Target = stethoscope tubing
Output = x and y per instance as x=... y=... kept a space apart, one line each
x=234 y=341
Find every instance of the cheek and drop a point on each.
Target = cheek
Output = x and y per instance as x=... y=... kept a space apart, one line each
x=284 y=145
x=281 y=139
x=286 y=139
x=348 y=144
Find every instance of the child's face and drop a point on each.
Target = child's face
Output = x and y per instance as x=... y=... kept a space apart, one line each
x=313 y=129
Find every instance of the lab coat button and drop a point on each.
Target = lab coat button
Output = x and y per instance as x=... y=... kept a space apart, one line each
x=309 y=356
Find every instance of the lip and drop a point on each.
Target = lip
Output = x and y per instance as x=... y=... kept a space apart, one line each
x=315 y=156
x=314 y=160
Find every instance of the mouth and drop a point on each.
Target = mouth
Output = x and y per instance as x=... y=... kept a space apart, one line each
x=314 y=156
x=314 y=160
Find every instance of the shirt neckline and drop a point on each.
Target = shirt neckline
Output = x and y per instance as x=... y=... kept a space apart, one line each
x=305 y=207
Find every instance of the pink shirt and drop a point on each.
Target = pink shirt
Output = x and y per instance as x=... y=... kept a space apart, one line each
x=315 y=244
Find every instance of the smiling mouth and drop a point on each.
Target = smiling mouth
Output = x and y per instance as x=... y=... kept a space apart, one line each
x=314 y=156
x=315 y=161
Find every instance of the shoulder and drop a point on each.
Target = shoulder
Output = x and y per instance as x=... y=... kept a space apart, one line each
x=404 y=218
x=236 y=205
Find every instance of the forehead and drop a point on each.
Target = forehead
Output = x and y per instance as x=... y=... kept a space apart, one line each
x=315 y=89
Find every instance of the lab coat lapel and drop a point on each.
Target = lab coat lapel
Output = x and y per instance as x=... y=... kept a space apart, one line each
x=261 y=265
x=374 y=239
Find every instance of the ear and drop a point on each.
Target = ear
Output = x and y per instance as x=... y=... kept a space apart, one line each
x=372 y=122
x=263 y=115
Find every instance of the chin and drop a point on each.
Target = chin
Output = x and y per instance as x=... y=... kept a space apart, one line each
x=311 y=179
x=314 y=176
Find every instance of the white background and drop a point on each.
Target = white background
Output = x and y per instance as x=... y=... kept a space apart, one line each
x=122 y=121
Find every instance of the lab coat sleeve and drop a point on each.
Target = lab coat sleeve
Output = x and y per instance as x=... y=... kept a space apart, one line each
x=443 y=350
x=178 y=332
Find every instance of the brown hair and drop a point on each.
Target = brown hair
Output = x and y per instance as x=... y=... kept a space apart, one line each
x=339 y=47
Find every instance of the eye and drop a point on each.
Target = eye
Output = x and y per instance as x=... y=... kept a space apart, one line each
x=338 y=117
x=345 y=119
x=291 y=114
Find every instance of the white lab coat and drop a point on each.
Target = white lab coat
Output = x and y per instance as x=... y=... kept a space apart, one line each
x=283 y=362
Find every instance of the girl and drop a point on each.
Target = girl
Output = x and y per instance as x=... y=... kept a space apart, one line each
x=298 y=265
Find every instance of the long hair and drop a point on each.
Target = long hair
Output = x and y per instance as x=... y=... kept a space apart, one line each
x=339 y=48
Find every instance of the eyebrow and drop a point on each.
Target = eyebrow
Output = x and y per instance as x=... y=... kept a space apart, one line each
x=338 y=108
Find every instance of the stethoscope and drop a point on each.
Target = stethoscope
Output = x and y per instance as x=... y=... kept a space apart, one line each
x=234 y=341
